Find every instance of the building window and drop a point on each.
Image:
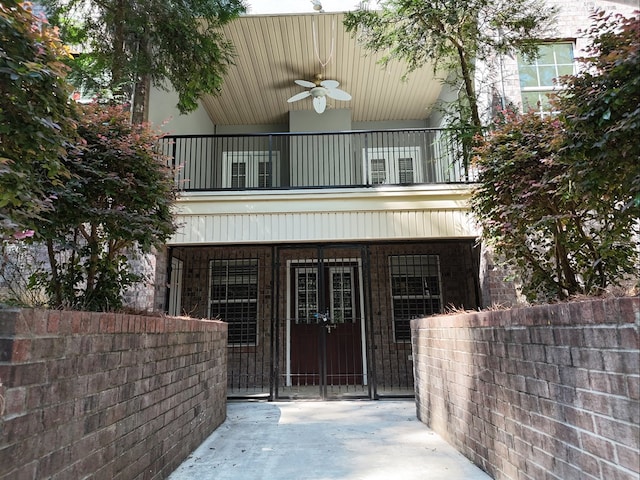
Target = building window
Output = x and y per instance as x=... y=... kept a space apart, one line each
x=234 y=298
x=393 y=165
x=415 y=290
x=251 y=169
x=537 y=75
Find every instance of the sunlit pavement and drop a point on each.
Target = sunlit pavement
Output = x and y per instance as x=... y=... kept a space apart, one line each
x=325 y=440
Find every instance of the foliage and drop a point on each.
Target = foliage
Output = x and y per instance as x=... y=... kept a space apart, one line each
x=452 y=35
x=117 y=202
x=558 y=197
x=36 y=124
x=601 y=107
x=122 y=43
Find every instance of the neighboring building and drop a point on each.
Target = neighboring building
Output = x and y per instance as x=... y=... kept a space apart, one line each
x=317 y=237
x=514 y=80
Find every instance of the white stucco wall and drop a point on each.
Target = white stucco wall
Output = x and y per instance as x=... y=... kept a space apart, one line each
x=164 y=115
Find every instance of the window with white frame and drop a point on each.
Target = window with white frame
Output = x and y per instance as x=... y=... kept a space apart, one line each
x=393 y=165
x=306 y=298
x=415 y=290
x=537 y=76
x=251 y=169
x=233 y=298
x=341 y=290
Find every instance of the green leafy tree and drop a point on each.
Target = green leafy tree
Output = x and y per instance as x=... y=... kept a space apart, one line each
x=116 y=204
x=558 y=197
x=452 y=35
x=36 y=118
x=127 y=44
x=601 y=109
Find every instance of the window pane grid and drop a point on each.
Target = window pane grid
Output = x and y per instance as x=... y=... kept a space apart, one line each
x=238 y=175
x=537 y=76
x=415 y=290
x=378 y=171
x=306 y=295
x=405 y=170
x=234 y=298
x=342 y=296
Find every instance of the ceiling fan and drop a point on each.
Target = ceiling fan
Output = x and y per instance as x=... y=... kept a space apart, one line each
x=320 y=90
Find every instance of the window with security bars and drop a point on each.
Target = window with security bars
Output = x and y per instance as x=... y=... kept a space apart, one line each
x=234 y=298
x=415 y=290
x=538 y=75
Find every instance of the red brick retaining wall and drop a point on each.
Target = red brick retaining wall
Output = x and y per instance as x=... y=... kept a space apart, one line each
x=549 y=392
x=106 y=396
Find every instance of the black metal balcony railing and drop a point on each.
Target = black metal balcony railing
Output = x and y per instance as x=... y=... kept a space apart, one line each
x=316 y=160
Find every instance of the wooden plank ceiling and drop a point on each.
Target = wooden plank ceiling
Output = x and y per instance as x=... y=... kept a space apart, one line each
x=274 y=50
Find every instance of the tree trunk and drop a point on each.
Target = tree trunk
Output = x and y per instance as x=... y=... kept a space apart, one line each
x=119 y=48
x=467 y=76
x=140 y=104
x=140 y=101
x=56 y=287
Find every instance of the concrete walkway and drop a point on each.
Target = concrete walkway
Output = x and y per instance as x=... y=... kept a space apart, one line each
x=344 y=440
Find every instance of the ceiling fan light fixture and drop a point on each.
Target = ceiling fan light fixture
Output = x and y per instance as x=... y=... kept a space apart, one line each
x=318 y=92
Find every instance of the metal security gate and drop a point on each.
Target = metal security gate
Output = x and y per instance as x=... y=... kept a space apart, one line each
x=321 y=321
x=321 y=310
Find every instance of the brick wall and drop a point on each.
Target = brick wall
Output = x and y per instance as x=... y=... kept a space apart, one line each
x=545 y=392
x=106 y=396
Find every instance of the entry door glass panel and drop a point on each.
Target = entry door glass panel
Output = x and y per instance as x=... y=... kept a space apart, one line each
x=306 y=298
x=341 y=284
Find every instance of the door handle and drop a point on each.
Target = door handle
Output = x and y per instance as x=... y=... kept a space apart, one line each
x=325 y=320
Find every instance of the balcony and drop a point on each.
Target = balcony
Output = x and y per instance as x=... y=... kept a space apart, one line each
x=285 y=161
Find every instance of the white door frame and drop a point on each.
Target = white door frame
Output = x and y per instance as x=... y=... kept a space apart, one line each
x=290 y=301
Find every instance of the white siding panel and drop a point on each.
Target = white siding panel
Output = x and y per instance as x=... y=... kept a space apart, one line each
x=323 y=226
x=324 y=216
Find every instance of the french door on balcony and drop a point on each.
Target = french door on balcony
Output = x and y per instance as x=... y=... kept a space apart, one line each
x=325 y=354
x=393 y=165
x=250 y=169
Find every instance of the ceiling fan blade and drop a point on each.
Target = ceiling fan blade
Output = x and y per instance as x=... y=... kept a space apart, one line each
x=319 y=103
x=330 y=83
x=305 y=83
x=299 y=96
x=338 y=94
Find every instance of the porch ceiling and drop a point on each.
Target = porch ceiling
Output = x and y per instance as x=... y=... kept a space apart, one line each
x=274 y=50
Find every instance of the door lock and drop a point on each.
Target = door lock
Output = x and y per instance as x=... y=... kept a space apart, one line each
x=325 y=320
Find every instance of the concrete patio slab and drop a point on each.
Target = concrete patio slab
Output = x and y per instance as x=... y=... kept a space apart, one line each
x=346 y=440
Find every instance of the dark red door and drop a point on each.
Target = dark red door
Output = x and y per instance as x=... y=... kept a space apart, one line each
x=325 y=326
